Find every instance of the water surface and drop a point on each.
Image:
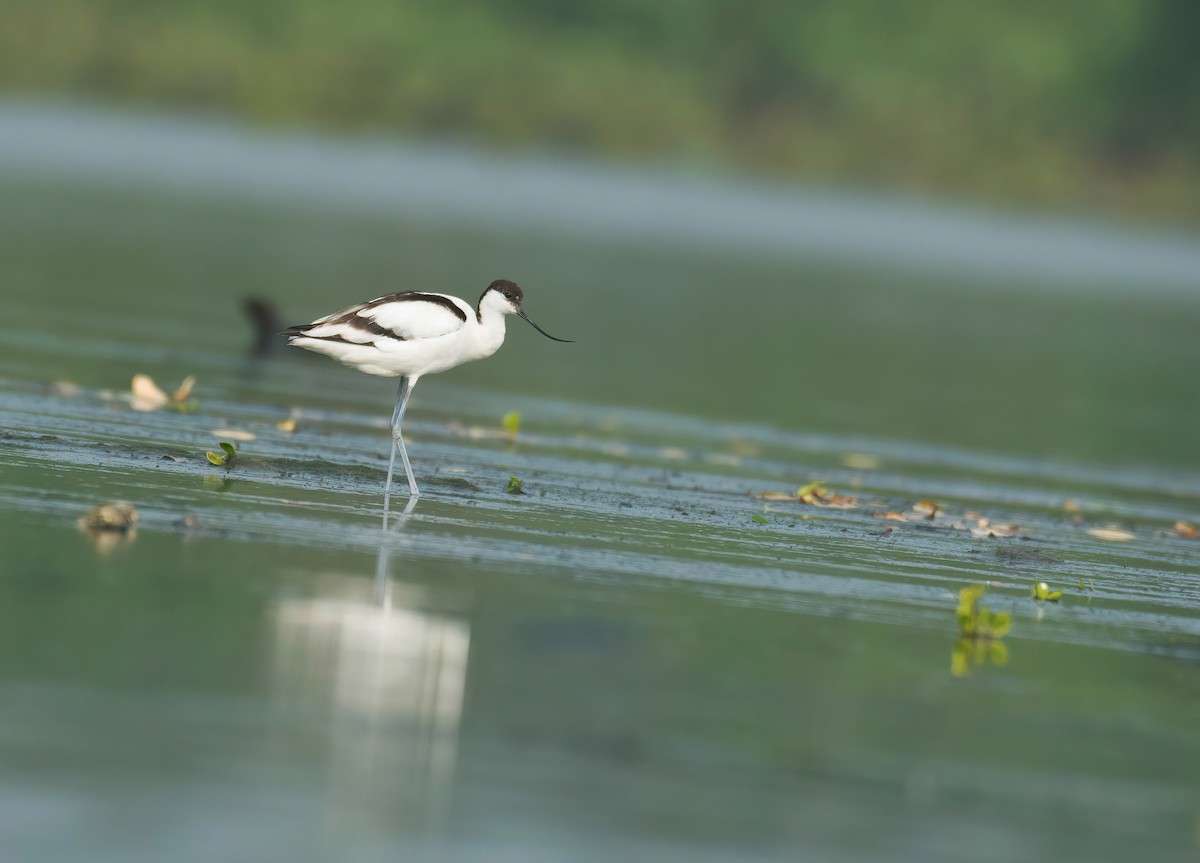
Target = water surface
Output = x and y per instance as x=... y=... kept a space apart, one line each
x=637 y=657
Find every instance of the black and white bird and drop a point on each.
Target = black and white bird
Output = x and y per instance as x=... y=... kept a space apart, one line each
x=411 y=334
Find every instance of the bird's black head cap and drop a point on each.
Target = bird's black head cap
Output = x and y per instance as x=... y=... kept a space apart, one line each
x=509 y=290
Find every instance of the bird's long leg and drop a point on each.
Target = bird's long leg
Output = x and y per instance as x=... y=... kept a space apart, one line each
x=402 y=396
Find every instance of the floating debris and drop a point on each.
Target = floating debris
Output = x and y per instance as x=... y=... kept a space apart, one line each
x=515 y=485
x=225 y=459
x=813 y=494
x=984 y=528
x=1186 y=530
x=109 y=525
x=926 y=509
x=118 y=516
x=1112 y=534
x=146 y=395
x=289 y=425
x=759 y=519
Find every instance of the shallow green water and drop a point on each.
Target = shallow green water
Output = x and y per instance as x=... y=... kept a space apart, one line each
x=623 y=661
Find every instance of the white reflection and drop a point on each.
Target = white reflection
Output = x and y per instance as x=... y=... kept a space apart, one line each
x=376 y=682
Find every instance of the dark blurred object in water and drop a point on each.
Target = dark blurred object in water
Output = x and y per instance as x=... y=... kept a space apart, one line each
x=119 y=516
x=266 y=323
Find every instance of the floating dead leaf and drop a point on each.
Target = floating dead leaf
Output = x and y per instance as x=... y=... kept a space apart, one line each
x=995 y=530
x=813 y=494
x=894 y=516
x=1071 y=506
x=927 y=509
x=860 y=461
x=289 y=425
x=233 y=434
x=1112 y=534
x=146 y=395
x=1186 y=530
x=174 y=458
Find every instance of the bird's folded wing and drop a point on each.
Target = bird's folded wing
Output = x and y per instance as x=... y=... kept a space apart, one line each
x=405 y=316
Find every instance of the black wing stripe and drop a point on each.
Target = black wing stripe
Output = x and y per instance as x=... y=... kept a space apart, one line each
x=355 y=319
x=417 y=297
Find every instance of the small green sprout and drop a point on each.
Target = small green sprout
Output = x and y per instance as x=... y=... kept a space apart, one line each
x=225 y=460
x=759 y=519
x=515 y=485
x=1042 y=592
x=511 y=423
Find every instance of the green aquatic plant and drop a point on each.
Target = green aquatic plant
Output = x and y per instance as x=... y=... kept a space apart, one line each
x=1042 y=592
x=759 y=519
x=968 y=653
x=975 y=621
x=515 y=485
x=979 y=633
x=226 y=459
x=511 y=423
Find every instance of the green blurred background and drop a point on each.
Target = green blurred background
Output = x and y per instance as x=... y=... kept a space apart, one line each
x=1081 y=105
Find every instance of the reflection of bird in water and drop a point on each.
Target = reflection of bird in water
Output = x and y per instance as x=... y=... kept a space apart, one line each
x=266 y=324
x=410 y=334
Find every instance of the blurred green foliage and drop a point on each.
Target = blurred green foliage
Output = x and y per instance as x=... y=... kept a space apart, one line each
x=1079 y=103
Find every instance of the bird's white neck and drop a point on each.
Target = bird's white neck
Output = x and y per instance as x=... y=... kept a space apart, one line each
x=490 y=330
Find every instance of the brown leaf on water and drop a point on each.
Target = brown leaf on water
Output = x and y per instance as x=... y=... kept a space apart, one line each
x=1186 y=530
x=1112 y=534
x=894 y=516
